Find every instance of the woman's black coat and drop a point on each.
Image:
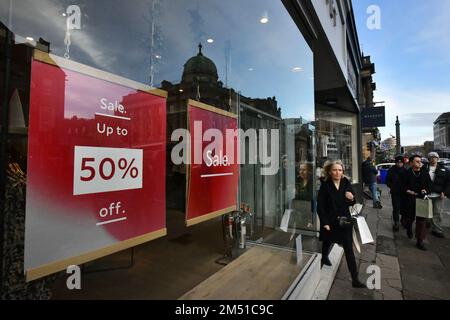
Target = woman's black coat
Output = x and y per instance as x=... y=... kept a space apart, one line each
x=331 y=204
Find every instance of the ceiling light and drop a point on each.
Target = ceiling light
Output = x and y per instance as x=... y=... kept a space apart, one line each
x=210 y=40
x=297 y=69
x=181 y=90
x=30 y=38
x=264 y=20
x=64 y=14
x=158 y=56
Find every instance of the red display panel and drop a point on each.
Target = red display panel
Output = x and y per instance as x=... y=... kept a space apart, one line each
x=212 y=182
x=96 y=165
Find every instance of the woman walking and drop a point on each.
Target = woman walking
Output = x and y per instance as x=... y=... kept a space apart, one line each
x=335 y=197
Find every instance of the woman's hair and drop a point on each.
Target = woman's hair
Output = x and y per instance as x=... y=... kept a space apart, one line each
x=308 y=166
x=326 y=171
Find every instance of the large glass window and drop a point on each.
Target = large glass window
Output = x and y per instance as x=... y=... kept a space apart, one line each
x=337 y=138
x=245 y=57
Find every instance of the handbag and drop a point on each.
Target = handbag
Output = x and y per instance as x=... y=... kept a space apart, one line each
x=346 y=222
x=424 y=208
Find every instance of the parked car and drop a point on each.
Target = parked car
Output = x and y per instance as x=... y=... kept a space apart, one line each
x=446 y=163
x=383 y=169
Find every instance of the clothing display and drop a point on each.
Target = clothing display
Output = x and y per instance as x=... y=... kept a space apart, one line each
x=324 y=140
x=14 y=284
x=332 y=144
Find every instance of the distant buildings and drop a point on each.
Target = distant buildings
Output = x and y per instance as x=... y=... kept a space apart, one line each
x=442 y=135
x=370 y=136
x=389 y=143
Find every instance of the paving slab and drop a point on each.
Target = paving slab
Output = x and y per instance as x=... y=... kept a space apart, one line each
x=406 y=272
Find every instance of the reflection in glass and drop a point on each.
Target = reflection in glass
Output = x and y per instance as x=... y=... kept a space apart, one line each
x=336 y=134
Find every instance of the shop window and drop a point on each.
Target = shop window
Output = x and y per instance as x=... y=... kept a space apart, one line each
x=336 y=139
x=246 y=58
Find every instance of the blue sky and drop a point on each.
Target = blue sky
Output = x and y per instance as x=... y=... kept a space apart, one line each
x=411 y=53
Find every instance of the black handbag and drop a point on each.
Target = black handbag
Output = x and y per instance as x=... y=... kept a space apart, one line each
x=346 y=222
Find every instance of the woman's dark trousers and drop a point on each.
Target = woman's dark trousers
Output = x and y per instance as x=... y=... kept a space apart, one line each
x=347 y=244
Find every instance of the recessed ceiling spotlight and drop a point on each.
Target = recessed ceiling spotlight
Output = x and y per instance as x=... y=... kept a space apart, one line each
x=264 y=20
x=297 y=69
x=210 y=40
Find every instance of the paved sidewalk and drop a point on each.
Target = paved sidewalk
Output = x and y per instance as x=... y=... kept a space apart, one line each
x=406 y=272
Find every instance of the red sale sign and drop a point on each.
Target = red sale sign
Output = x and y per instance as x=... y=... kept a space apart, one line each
x=96 y=165
x=213 y=174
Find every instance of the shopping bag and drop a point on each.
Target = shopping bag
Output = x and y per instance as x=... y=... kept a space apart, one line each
x=356 y=209
x=424 y=208
x=364 y=231
x=355 y=241
x=285 y=220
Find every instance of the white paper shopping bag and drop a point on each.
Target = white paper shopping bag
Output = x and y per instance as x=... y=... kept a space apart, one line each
x=424 y=208
x=355 y=241
x=364 y=231
x=356 y=209
x=285 y=220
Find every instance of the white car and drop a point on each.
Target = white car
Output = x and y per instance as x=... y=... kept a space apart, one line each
x=384 y=166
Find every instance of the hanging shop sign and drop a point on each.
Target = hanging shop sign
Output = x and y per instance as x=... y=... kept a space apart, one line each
x=373 y=117
x=96 y=165
x=213 y=172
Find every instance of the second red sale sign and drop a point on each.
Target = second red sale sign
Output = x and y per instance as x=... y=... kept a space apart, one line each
x=213 y=173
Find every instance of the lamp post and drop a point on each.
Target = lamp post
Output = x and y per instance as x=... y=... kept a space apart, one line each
x=399 y=144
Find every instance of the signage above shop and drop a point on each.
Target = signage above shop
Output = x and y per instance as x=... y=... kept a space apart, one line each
x=374 y=117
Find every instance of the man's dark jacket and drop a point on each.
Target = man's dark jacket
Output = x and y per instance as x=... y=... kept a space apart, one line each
x=441 y=179
x=394 y=179
x=369 y=172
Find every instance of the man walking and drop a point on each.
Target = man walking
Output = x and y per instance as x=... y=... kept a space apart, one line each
x=440 y=179
x=370 y=179
x=416 y=183
x=394 y=182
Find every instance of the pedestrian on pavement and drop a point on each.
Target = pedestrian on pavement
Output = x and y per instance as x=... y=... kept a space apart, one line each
x=440 y=178
x=370 y=174
x=394 y=182
x=416 y=184
x=406 y=162
x=335 y=197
